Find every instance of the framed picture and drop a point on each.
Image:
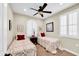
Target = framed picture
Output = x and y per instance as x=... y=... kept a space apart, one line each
x=9 y=25
x=50 y=27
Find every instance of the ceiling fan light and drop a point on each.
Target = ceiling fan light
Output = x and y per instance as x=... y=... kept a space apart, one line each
x=40 y=12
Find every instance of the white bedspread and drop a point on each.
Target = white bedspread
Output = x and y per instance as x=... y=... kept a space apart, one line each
x=51 y=44
x=22 y=48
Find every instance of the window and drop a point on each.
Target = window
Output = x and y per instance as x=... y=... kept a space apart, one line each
x=63 y=23
x=73 y=24
x=68 y=24
x=31 y=28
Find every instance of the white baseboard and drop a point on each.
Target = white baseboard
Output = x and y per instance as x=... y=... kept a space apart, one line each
x=71 y=51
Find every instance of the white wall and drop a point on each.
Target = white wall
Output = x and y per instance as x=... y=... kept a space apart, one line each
x=71 y=44
x=22 y=20
x=7 y=35
x=55 y=22
x=11 y=33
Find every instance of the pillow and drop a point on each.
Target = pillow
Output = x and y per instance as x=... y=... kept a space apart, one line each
x=20 y=37
x=42 y=34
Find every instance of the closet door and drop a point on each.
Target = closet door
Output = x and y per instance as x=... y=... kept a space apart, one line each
x=1 y=42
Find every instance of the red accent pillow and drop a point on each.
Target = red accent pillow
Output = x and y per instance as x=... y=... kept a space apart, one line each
x=43 y=34
x=20 y=37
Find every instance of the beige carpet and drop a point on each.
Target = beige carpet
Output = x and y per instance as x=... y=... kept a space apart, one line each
x=42 y=52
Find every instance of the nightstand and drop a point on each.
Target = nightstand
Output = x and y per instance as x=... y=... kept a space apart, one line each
x=33 y=40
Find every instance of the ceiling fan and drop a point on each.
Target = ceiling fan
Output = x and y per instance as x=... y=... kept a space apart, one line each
x=41 y=10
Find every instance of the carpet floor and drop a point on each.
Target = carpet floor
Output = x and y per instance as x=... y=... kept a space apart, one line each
x=43 y=52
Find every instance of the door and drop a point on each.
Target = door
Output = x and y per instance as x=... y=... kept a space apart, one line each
x=1 y=42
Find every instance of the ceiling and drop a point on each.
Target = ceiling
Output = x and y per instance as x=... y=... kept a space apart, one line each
x=54 y=7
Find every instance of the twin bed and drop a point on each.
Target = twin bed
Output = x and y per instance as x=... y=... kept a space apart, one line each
x=22 y=48
x=51 y=44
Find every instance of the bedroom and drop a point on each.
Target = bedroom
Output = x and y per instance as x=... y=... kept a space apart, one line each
x=18 y=20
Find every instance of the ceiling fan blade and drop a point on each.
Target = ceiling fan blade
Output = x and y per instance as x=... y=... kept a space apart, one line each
x=46 y=11
x=33 y=9
x=41 y=15
x=35 y=14
x=45 y=4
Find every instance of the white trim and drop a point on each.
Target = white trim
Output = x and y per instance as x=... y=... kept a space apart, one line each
x=1 y=53
x=71 y=52
x=70 y=37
